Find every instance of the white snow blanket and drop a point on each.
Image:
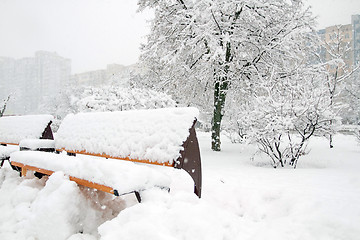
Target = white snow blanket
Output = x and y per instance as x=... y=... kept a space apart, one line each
x=242 y=199
x=120 y=175
x=15 y=128
x=156 y=135
x=35 y=144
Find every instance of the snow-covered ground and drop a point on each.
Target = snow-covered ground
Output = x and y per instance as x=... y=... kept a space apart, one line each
x=242 y=199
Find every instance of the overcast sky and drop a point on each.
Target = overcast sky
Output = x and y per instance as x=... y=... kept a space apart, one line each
x=332 y=12
x=94 y=33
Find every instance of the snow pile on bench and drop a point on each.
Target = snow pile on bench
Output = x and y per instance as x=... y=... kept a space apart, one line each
x=35 y=144
x=15 y=128
x=123 y=176
x=6 y=151
x=155 y=135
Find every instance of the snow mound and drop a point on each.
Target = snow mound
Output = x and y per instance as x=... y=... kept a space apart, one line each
x=15 y=128
x=164 y=216
x=53 y=209
x=240 y=201
x=156 y=135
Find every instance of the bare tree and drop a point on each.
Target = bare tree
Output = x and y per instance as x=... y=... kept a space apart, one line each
x=338 y=65
x=4 y=105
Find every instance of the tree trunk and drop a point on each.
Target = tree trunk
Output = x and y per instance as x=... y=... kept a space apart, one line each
x=219 y=103
x=331 y=136
x=331 y=141
x=220 y=90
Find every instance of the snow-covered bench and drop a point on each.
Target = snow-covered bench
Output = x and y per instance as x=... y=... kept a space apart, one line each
x=146 y=141
x=14 y=129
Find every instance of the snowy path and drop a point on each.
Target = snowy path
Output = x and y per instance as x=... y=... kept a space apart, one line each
x=319 y=200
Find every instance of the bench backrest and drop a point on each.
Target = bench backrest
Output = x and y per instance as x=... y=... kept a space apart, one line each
x=13 y=129
x=160 y=136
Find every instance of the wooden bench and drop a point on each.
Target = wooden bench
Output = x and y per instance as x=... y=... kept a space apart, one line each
x=121 y=152
x=14 y=129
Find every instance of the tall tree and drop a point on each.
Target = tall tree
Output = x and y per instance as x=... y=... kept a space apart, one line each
x=199 y=50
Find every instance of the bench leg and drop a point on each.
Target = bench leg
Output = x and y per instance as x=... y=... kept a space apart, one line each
x=138 y=197
x=39 y=175
x=3 y=160
x=23 y=171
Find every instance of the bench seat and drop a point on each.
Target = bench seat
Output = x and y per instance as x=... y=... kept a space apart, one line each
x=118 y=152
x=109 y=175
x=14 y=129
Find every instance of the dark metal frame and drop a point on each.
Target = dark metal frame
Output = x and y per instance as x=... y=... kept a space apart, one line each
x=190 y=160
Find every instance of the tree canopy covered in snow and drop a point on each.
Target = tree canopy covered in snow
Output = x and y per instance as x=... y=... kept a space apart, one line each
x=244 y=59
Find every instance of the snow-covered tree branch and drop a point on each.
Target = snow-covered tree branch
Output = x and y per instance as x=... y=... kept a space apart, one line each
x=338 y=66
x=198 y=53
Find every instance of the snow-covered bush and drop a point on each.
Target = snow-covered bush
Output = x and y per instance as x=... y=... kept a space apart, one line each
x=110 y=98
x=60 y=104
x=99 y=99
x=281 y=114
x=357 y=134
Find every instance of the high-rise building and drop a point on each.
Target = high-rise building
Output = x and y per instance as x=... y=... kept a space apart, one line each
x=113 y=72
x=339 y=44
x=7 y=67
x=31 y=79
x=54 y=72
x=91 y=78
x=348 y=36
x=355 y=22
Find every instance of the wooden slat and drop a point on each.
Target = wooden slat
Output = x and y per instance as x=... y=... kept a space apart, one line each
x=79 y=181
x=40 y=170
x=167 y=164
x=9 y=143
x=17 y=164
x=92 y=185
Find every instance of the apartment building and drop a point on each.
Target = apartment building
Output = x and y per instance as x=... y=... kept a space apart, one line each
x=355 y=22
x=31 y=79
x=113 y=73
x=338 y=44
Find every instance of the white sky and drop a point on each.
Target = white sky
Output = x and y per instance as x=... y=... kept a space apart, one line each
x=332 y=12
x=94 y=33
